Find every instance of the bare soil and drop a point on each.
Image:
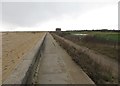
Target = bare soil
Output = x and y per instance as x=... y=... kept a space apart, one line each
x=14 y=46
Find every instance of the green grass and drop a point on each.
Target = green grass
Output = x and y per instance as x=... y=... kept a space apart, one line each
x=98 y=73
x=110 y=36
x=105 y=43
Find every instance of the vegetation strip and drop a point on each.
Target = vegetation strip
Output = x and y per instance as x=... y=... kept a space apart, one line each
x=106 y=43
x=95 y=71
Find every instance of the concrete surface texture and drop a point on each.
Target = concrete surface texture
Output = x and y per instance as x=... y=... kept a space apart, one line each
x=101 y=59
x=14 y=46
x=57 y=67
x=23 y=71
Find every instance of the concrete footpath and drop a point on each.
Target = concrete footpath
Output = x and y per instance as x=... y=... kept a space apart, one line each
x=95 y=56
x=57 y=67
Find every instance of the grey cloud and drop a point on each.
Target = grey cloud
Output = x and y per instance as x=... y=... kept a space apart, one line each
x=30 y=13
x=0 y=13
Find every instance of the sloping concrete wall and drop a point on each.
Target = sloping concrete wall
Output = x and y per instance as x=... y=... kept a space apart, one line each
x=24 y=71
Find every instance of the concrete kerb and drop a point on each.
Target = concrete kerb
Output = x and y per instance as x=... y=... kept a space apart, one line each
x=25 y=68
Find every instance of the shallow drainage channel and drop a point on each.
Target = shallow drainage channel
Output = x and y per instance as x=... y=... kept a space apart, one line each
x=57 y=67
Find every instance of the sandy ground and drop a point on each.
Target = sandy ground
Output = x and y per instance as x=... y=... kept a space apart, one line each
x=57 y=67
x=14 y=46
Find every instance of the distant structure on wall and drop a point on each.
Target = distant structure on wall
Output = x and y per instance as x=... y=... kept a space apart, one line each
x=58 y=29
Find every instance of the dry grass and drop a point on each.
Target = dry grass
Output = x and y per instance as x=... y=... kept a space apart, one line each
x=108 y=48
x=98 y=73
x=14 y=46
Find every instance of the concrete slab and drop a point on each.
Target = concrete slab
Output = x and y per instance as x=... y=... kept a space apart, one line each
x=57 y=67
x=22 y=71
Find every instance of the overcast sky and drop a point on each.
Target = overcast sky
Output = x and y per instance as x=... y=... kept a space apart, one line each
x=46 y=16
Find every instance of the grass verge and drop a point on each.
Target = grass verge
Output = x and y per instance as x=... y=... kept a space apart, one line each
x=96 y=43
x=94 y=70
